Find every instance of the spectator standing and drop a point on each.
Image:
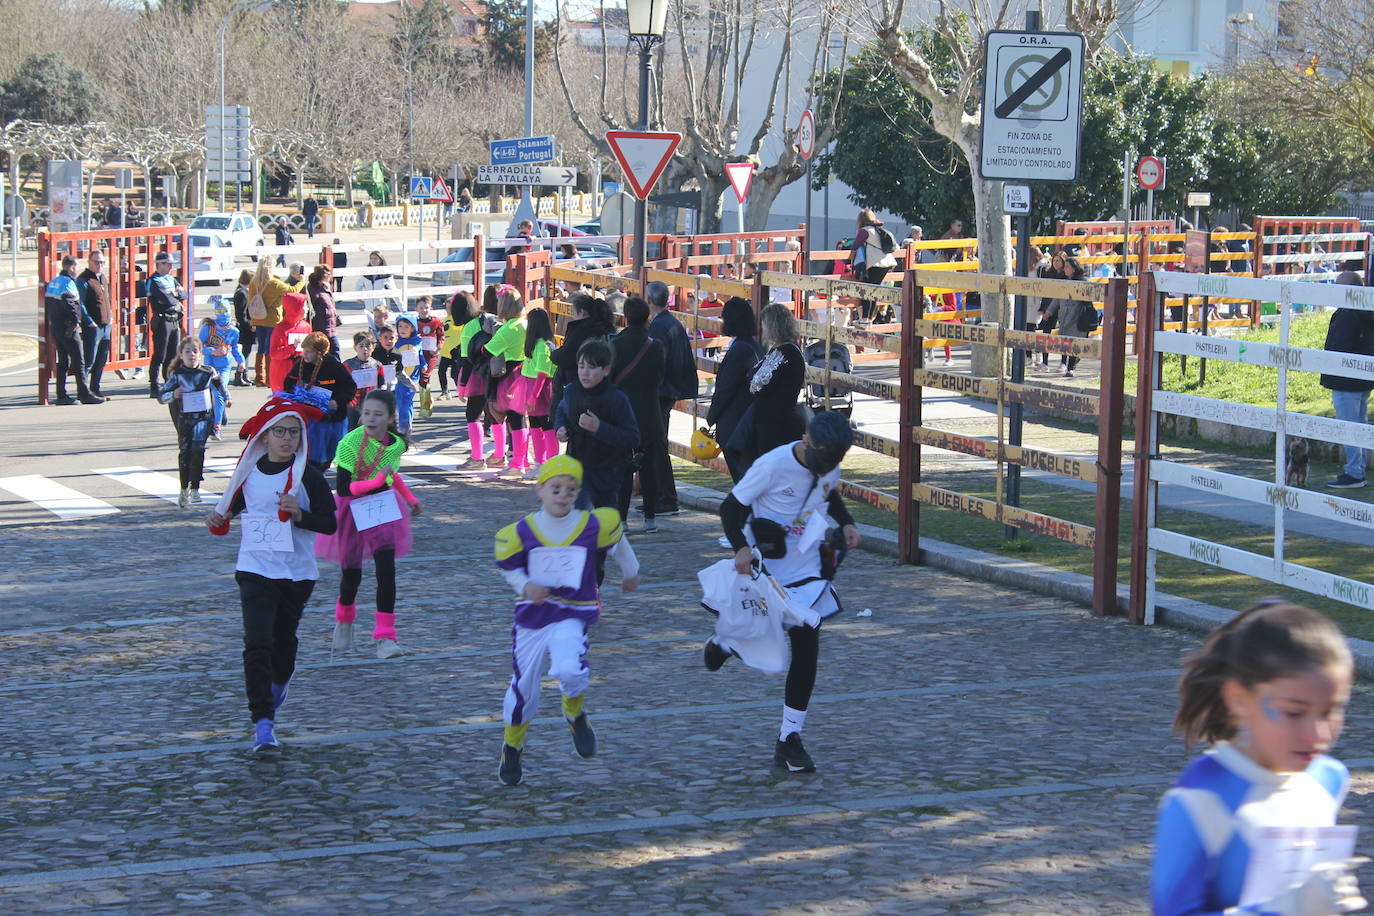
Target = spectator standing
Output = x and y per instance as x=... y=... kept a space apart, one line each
x=95 y=336
x=1350 y=331
x=166 y=295
x=637 y=370
x=371 y=282
x=775 y=383
x=1074 y=317
x=62 y=307
x=247 y=335
x=281 y=236
x=114 y=215
x=872 y=256
x=465 y=201
x=592 y=319
x=731 y=398
x=264 y=313
x=324 y=317
x=310 y=210
x=679 y=383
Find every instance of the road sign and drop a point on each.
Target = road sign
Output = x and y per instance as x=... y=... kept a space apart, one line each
x=440 y=191
x=741 y=175
x=643 y=155
x=421 y=188
x=1032 y=106
x=618 y=215
x=521 y=151
x=124 y=179
x=552 y=175
x=1149 y=171
x=1016 y=199
x=806 y=134
x=1199 y=198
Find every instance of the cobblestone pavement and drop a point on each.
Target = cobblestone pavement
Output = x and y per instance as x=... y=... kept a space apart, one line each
x=979 y=750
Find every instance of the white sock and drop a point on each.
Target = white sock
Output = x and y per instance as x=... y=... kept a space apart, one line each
x=792 y=722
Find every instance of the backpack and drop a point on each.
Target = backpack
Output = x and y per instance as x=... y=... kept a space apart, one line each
x=1091 y=319
x=878 y=248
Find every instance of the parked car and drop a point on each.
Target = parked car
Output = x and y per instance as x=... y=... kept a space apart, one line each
x=212 y=258
x=554 y=228
x=493 y=267
x=240 y=232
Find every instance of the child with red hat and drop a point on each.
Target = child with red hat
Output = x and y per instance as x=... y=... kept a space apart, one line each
x=282 y=503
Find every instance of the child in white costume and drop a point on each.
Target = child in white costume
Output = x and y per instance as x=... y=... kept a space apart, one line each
x=550 y=558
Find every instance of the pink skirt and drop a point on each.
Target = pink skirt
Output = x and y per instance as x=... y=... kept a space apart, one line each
x=473 y=383
x=504 y=388
x=350 y=548
x=532 y=396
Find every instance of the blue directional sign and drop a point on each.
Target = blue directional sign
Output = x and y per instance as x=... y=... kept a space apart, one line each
x=422 y=188
x=522 y=150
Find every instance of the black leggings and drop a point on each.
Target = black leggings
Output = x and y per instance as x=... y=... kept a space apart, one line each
x=801 y=674
x=474 y=407
x=448 y=368
x=351 y=578
x=271 y=613
x=191 y=466
x=515 y=420
x=544 y=422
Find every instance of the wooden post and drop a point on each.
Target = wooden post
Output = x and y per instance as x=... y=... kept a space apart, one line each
x=1111 y=404
x=1147 y=319
x=909 y=417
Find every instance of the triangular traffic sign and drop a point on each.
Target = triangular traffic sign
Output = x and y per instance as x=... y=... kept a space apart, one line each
x=440 y=191
x=643 y=155
x=740 y=175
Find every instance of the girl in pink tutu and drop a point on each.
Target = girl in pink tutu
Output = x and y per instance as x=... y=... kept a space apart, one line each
x=506 y=351
x=532 y=392
x=374 y=513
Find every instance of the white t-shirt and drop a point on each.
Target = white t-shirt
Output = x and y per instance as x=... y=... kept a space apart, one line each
x=779 y=488
x=260 y=495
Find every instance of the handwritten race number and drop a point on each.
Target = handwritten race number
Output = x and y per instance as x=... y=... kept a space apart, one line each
x=429 y=344
x=410 y=357
x=365 y=378
x=265 y=532
x=389 y=374
x=374 y=510
x=1283 y=857
x=296 y=339
x=558 y=567
x=195 y=401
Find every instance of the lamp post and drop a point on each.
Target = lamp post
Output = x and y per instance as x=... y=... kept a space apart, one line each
x=239 y=7
x=410 y=114
x=646 y=20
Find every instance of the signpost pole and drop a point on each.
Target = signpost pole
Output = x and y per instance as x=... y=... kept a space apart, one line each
x=1018 y=356
x=1127 y=157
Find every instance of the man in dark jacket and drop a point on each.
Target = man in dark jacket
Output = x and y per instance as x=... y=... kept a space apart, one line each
x=166 y=296
x=637 y=370
x=281 y=235
x=1350 y=331
x=94 y=289
x=679 y=381
x=310 y=210
x=65 y=316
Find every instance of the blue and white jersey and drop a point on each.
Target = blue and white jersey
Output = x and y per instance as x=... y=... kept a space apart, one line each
x=1209 y=818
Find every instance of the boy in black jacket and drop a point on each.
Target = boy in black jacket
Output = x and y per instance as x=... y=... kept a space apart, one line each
x=596 y=420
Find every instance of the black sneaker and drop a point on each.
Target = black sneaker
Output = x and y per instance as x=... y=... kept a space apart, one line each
x=65 y=400
x=791 y=756
x=510 y=771
x=667 y=509
x=1346 y=482
x=713 y=655
x=584 y=739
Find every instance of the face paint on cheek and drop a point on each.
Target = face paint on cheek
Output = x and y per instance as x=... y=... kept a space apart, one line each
x=1267 y=707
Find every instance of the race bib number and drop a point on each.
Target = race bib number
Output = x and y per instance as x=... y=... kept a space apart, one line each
x=389 y=374
x=365 y=378
x=195 y=401
x=377 y=509
x=295 y=339
x=265 y=532
x=410 y=357
x=558 y=567
x=1283 y=857
x=815 y=528
x=429 y=344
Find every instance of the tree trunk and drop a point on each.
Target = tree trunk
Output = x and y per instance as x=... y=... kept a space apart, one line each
x=713 y=199
x=994 y=243
x=763 y=191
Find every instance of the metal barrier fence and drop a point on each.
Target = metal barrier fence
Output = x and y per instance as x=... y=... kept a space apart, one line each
x=1149 y=538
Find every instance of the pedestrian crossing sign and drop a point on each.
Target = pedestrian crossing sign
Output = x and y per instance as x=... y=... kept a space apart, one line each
x=421 y=188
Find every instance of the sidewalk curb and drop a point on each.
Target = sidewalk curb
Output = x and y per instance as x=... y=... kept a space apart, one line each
x=18 y=283
x=1171 y=610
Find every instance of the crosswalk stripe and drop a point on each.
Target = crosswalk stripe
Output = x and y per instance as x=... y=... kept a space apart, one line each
x=431 y=460
x=154 y=483
x=60 y=500
x=225 y=466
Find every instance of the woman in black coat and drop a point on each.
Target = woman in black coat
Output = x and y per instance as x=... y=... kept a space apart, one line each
x=592 y=319
x=637 y=370
x=774 y=418
x=731 y=397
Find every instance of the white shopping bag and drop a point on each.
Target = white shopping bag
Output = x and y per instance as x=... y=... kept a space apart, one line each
x=749 y=618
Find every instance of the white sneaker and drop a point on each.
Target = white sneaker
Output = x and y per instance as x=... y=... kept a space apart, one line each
x=121 y=374
x=723 y=541
x=343 y=636
x=531 y=474
x=387 y=648
x=194 y=497
x=184 y=500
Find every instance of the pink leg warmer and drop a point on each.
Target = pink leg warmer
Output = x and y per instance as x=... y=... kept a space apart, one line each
x=386 y=626
x=538 y=446
x=498 y=441
x=551 y=443
x=345 y=613
x=475 y=439
x=520 y=448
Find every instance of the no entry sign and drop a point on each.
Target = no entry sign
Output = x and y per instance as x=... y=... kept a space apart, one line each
x=1149 y=171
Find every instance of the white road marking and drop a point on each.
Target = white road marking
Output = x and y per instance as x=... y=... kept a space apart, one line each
x=154 y=483
x=60 y=500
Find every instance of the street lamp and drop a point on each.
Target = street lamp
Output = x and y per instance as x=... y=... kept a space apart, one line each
x=646 y=20
x=239 y=7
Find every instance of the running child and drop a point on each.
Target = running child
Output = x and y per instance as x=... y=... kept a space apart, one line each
x=366 y=373
x=190 y=391
x=410 y=364
x=1269 y=688
x=431 y=331
x=550 y=558
x=596 y=420
x=475 y=371
x=386 y=356
x=220 y=342
x=507 y=351
x=283 y=503
x=375 y=507
x=450 y=360
x=532 y=393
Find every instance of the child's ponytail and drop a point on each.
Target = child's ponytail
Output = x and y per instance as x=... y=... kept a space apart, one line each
x=1271 y=640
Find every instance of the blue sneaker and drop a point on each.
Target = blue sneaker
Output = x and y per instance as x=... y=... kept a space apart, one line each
x=279 y=694
x=264 y=738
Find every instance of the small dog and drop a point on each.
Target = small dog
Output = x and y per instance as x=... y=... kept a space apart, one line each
x=1297 y=464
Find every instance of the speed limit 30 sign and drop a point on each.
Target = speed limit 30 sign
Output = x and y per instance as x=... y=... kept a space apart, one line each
x=1149 y=172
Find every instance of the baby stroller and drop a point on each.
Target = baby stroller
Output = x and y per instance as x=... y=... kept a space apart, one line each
x=838 y=360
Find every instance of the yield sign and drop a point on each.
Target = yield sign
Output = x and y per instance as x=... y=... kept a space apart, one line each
x=440 y=191
x=740 y=174
x=643 y=155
